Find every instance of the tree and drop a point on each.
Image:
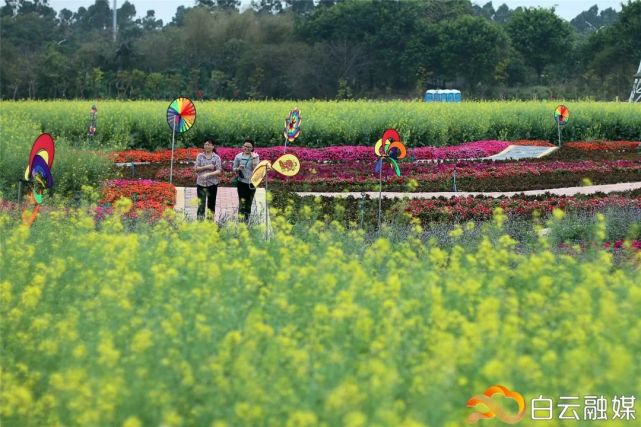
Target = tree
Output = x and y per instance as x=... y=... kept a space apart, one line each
x=267 y=6
x=607 y=53
x=150 y=23
x=591 y=20
x=486 y=11
x=179 y=18
x=471 y=47
x=540 y=36
x=502 y=14
x=300 y=7
x=228 y=5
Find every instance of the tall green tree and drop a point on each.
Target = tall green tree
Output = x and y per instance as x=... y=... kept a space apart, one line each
x=471 y=47
x=540 y=36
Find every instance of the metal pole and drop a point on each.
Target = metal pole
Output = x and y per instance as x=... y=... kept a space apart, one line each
x=20 y=195
x=115 y=25
x=380 y=194
x=361 y=207
x=454 y=178
x=558 y=126
x=266 y=208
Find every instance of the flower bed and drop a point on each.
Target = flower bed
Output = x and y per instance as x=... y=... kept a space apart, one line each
x=353 y=153
x=481 y=208
x=603 y=145
x=470 y=176
x=147 y=195
x=620 y=244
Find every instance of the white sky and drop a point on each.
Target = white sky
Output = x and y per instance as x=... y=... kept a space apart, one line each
x=166 y=9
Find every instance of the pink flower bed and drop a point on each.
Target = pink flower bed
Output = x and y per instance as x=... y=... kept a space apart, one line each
x=354 y=153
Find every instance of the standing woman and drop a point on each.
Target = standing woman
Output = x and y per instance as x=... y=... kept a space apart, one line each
x=244 y=164
x=209 y=167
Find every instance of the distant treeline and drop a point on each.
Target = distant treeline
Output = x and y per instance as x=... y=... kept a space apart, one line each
x=324 y=49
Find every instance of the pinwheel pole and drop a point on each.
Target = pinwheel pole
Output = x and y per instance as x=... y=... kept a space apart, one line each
x=91 y=133
x=266 y=207
x=181 y=114
x=173 y=140
x=380 y=195
x=20 y=194
x=393 y=149
x=561 y=116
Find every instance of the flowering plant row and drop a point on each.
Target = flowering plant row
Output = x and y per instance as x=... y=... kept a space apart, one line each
x=146 y=195
x=470 y=176
x=603 y=145
x=353 y=153
x=481 y=208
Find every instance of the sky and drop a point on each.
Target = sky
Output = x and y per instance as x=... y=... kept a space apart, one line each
x=166 y=9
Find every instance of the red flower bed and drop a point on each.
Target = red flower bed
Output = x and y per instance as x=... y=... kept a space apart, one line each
x=147 y=195
x=603 y=145
x=619 y=244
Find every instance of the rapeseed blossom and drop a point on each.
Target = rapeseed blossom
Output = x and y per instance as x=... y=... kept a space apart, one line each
x=182 y=323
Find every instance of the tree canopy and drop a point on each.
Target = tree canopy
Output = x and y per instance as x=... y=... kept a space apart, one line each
x=316 y=49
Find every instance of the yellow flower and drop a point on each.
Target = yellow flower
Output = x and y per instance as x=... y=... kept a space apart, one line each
x=558 y=214
x=302 y=419
x=132 y=422
x=142 y=341
x=108 y=354
x=355 y=419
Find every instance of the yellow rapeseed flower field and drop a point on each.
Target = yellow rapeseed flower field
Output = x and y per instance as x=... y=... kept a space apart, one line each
x=188 y=324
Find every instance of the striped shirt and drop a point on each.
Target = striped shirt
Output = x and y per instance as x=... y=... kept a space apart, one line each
x=205 y=179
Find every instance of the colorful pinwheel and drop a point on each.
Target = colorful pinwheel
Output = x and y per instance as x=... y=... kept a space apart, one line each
x=92 y=121
x=392 y=150
x=292 y=125
x=38 y=172
x=562 y=115
x=181 y=115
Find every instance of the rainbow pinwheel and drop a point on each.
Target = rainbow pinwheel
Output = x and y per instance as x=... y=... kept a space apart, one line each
x=38 y=170
x=38 y=173
x=92 y=121
x=181 y=115
x=562 y=115
x=392 y=150
x=292 y=125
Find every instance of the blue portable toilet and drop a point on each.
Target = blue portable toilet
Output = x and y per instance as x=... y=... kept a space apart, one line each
x=449 y=95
